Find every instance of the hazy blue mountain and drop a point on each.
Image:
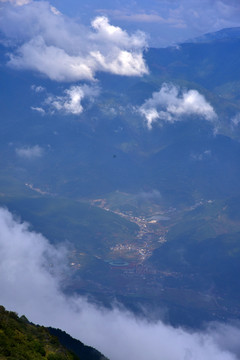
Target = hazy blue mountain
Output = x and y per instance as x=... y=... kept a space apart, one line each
x=224 y=34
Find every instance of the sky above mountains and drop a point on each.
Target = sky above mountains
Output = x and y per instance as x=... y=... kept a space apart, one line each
x=165 y=22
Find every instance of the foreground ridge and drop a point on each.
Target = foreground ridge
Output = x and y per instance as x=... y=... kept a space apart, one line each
x=22 y=340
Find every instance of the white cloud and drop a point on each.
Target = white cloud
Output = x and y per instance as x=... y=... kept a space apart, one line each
x=71 y=101
x=124 y=63
x=55 y=10
x=236 y=120
x=202 y=156
x=64 y=50
x=38 y=109
x=52 y=61
x=114 y=34
x=170 y=104
x=141 y=17
x=37 y=89
x=17 y=2
x=30 y=286
x=30 y=152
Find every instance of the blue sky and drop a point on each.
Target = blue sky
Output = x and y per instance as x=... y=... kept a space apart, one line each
x=165 y=21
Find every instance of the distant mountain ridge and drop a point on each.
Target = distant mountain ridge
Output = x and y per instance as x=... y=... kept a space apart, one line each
x=223 y=34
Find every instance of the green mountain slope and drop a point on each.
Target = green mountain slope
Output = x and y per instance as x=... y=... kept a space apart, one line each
x=21 y=340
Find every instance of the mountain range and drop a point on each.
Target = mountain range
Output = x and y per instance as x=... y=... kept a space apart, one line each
x=167 y=141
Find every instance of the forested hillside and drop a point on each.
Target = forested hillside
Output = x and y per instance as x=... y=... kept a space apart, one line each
x=22 y=340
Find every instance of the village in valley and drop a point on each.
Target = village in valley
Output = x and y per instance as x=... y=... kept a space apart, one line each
x=152 y=232
x=126 y=261
x=125 y=272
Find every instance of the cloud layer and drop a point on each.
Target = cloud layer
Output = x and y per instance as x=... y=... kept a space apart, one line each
x=170 y=104
x=30 y=270
x=64 y=50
